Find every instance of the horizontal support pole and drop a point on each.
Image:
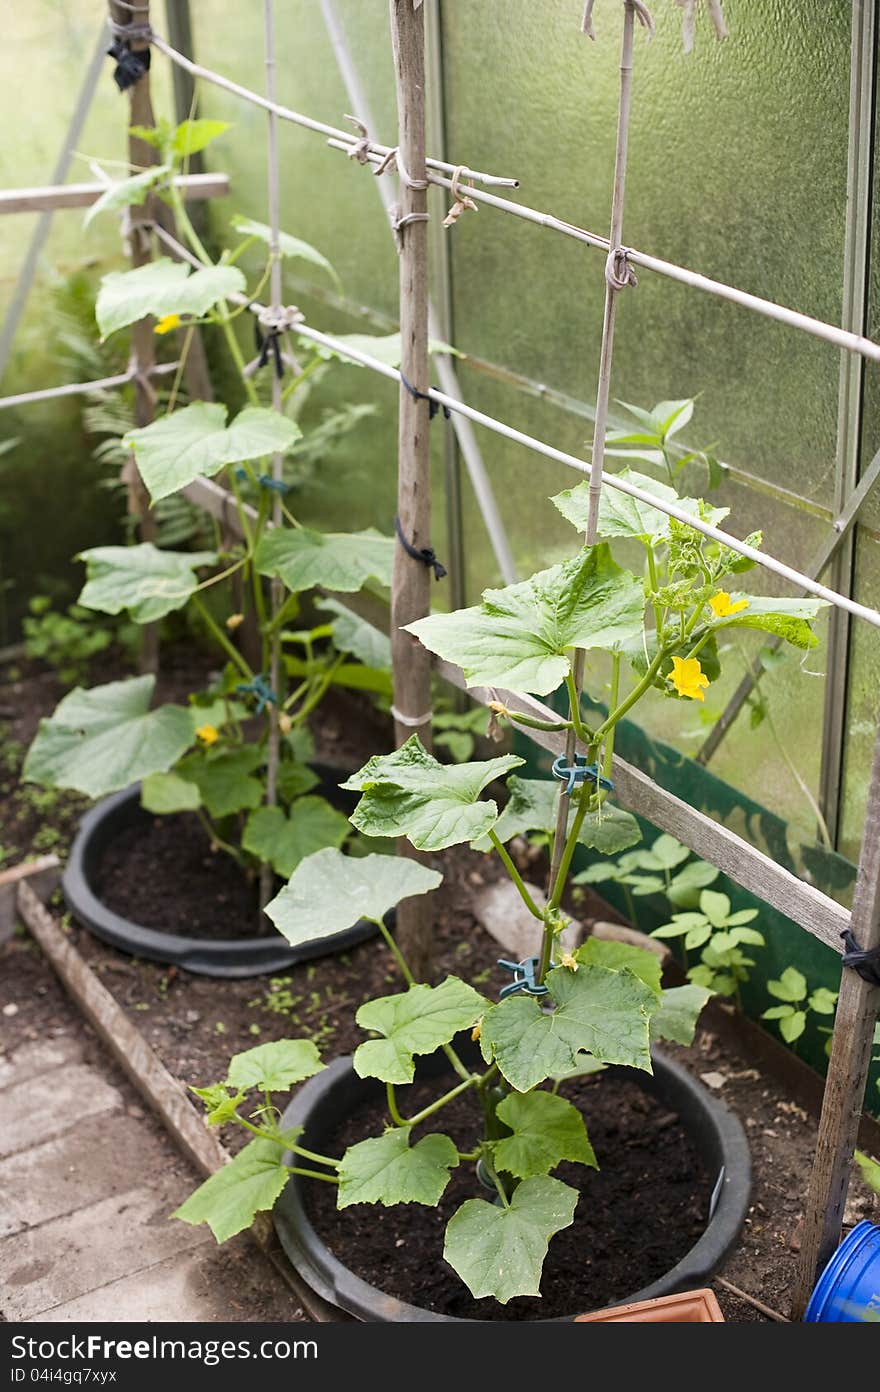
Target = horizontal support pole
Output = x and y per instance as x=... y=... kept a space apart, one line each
x=58 y=196
x=748 y=867
x=83 y=388
x=768 y=309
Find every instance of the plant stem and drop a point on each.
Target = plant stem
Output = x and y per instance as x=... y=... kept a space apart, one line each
x=217 y=840
x=392 y=1106
x=312 y=1174
x=217 y=633
x=580 y=729
x=635 y=695
x=652 y=572
x=469 y=1082
x=515 y=876
x=395 y=952
x=613 y=697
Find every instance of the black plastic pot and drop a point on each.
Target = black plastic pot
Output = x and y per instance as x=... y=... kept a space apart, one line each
x=332 y=1094
x=253 y=955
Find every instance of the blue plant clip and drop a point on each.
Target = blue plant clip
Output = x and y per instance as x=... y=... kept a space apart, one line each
x=577 y=772
x=260 y=688
x=523 y=977
x=273 y=484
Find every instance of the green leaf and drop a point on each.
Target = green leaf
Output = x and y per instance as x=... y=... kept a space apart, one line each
x=870 y=1170
x=614 y=955
x=546 y=1130
x=342 y=561
x=416 y=1021
x=410 y=793
x=192 y=136
x=715 y=906
x=500 y=1251
x=225 y=778
x=329 y=891
x=778 y=1012
x=162 y=287
x=521 y=637
x=823 y=1001
x=291 y=248
x=619 y=514
x=791 y=986
x=532 y=805
x=787 y=618
x=352 y=634
x=128 y=192
x=673 y=416
x=221 y=1104
x=680 y=1008
x=196 y=442
x=163 y=793
x=284 y=840
x=388 y=1170
x=295 y=779
x=668 y=852
x=230 y=1200
x=602 y=1012
x=793 y=1026
x=274 y=1067
x=384 y=347
x=684 y=890
x=147 y=582
x=105 y=739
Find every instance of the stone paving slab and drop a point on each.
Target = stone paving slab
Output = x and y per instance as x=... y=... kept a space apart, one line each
x=70 y=1256
x=32 y=1059
x=50 y=1103
x=61 y=1175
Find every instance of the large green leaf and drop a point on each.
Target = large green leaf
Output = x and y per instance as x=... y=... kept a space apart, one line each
x=164 y=793
x=352 y=634
x=225 y=778
x=621 y=515
x=147 y=582
x=532 y=806
x=196 y=442
x=341 y=561
x=416 y=1021
x=162 y=287
x=410 y=793
x=521 y=637
x=545 y=1131
x=329 y=891
x=291 y=248
x=195 y=135
x=274 y=1067
x=786 y=618
x=388 y=1170
x=105 y=739
x=501 y=1251
x=602 y=1012
x=126 y=193
x=230 y=1200
x=614 y=955
x=680 y=1008
x=284 y=840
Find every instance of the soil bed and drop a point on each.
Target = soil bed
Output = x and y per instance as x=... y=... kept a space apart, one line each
x=637 y=1216
x=165 y=875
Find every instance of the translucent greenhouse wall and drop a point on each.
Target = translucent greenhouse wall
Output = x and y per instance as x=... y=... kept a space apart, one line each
x=738 y=168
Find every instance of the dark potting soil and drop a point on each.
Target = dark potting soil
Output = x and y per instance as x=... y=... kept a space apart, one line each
x=163 y=874
x=637 y=1215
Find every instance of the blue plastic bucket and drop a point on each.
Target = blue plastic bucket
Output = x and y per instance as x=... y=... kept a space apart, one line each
x=848 y=1291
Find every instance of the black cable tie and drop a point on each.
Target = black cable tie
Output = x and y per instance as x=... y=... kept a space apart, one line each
x=433 y=406
x=425 y=554
x=266 y=344
x=864 y=961
x=130 y=67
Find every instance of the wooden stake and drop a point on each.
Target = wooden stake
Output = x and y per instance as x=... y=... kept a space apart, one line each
x=143 y=349
x=411 y=580
x=854 y=1022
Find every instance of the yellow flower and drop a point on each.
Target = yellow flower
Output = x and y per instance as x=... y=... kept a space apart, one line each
x=722 y=608
x=477 y=1031
x=687 y=677
x=570 y=961
x=208 y=734
x=233 y=622
x=285 y=724
x=167 y=323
